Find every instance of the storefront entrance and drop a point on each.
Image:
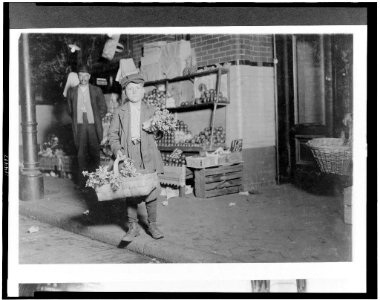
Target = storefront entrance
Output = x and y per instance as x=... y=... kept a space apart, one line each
x=308 y=103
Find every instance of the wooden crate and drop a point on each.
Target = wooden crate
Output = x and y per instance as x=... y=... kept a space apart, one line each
x=173 y=176
x=230 y=158
x=68 y=165
x=218 y=181
x=48 y=163
x=202 y=162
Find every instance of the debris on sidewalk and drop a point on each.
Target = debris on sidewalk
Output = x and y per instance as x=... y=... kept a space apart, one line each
x=154 y=261
x=232 y=204
x=188 y=189
x=52 y=174
x=86 y=213
x=165 y=203
x=171 y=193
x=244 y=193
x=254 y=192
x=33 y=229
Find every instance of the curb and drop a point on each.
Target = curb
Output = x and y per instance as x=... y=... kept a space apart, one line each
x=161 y=249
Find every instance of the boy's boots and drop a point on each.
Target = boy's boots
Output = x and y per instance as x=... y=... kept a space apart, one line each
x=133 y=231
x=154 y=231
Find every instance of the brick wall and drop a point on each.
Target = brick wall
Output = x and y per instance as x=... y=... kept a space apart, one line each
x=216 y=48
x=211 y=49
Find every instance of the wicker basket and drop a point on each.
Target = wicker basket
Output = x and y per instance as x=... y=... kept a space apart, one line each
x=331 y=154
x=141 y=185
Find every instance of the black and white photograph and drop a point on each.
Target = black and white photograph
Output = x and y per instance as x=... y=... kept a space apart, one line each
x=183 y=148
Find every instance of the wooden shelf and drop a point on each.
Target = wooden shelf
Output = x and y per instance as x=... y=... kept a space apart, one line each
x=189 y=149
x=180 y=78
x=197 y=106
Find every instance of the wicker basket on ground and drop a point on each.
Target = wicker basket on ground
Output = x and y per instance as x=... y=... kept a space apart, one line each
x=333 y=155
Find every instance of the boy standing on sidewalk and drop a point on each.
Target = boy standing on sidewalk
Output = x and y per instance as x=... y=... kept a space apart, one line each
x=128 y=139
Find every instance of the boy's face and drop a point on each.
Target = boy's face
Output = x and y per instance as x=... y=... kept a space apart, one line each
x=83 y=78
x=135 y=92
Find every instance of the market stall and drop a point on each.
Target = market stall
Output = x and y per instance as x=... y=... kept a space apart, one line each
x=201 y=89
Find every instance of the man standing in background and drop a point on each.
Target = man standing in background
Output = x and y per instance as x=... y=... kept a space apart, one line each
x=87 y=107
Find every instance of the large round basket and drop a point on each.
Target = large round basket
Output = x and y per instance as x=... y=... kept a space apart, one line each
x=332 y=155
x=141 y=185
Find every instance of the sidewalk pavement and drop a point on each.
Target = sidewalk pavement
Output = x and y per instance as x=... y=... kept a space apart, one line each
x=280 y=224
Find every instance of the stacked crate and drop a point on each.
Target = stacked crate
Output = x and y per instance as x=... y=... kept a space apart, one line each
x=68 y=164
x=218 y=180
x=48 y=163
x=173 y=175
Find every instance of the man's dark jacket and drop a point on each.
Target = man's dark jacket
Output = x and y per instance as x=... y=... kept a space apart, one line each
x=99 y=109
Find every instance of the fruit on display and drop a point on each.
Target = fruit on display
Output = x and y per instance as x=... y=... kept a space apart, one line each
x=204 y=137
x=155 y=98
x=49 y=148
x=183 y=137
x=162 y=120
x=180 y=136
x=210 y=96
x=207 y=96
x=174 y=159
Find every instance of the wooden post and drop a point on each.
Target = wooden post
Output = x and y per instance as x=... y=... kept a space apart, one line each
x=199 y=183
x=215 y=106
x=182 y=191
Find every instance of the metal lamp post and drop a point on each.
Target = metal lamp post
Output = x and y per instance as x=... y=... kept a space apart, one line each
x=31 y=180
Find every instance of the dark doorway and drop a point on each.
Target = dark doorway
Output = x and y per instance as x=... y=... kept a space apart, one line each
x=314 y=82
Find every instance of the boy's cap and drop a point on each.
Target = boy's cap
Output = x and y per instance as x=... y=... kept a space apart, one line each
x=135 y=78
x=83 y=69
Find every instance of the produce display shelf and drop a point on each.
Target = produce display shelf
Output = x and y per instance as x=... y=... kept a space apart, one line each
x=196 y=106
x=189 y=149
x=180 y=78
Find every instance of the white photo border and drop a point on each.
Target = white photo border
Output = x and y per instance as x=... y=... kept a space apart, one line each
x=70 y=273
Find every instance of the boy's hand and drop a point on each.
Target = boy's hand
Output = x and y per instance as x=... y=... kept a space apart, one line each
x=120 y=155
x=146 y=125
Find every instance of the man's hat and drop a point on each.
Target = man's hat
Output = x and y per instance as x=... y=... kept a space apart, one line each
x=84 y=69
x=135 y=78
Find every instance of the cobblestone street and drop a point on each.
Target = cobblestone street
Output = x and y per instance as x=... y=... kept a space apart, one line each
x=53 y=245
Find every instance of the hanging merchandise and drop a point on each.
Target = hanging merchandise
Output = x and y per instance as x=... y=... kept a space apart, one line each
x=150 y=62
x=72 y=81
x=167 y=60
x=190 y=64
x=126 y=68
x=112 y=46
